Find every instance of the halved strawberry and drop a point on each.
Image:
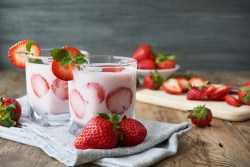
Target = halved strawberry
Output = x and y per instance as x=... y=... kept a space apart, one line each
x=113 y=69
x=196 y=81
x=119 y=100
x=219 y=93
x=65 y=72
x=208 y=90
x=60 y=89
x=77 y=103
x=172 y=86
x=18 y=53
x=184 y=83
x=231 y=100
x=98 y=90
x=39 y=85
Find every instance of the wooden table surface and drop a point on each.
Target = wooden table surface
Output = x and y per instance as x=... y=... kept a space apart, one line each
x=224 y=143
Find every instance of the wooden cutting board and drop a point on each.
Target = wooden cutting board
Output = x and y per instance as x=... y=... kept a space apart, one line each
x=219 y=109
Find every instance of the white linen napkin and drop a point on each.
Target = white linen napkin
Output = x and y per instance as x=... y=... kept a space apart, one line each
x=161 y=142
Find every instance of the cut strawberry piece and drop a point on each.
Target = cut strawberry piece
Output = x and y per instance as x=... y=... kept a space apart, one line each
x=220 y=93
x=119 y=100
x=231 y=100
x=244 y=93
x=39 y=85
x=208 y=90
x=77 y=103
x=194 y=94
x=65 y=72
x=196 y=81
x=60 y=89
x=18 y=53
x=148 y=64
x=184 y=83
x=172 y=86
x=113 y=69
x=98 y=90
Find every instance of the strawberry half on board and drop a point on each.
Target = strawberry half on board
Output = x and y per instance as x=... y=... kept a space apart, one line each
x=172 y=86
x=65 y=59
x=244 y=93
x=18 y=53
x=10 y=112
x=200 y=116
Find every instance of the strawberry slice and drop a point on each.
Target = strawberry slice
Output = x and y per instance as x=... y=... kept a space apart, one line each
x=220 y=93
x=98 y=90
x=18 y=53
x=60 y=89
x=113 y=69
x=184 y=83
x=196 y=81
x=231 y=100
x=172 y=86
x=39 y=85
x=208 y=90
x=119 y=100
x=77 y=103
x=65 y=72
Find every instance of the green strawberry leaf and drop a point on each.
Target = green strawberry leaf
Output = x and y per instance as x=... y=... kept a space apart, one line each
x=29 y=45
x=35 y=61
x=105 y=116
x=244 y=88
x=246 y=98
x=161 y=56
x=157 y=78
x=79 y=58
x=8 y=123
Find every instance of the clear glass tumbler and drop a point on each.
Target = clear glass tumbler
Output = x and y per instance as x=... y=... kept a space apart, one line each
x=47 y=95
x=107 y=84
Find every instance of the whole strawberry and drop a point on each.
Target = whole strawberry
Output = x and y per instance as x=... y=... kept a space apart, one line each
x=99 y=133
x=153 y=81
x=244 y=93
x=165 y=61
x=133 y=132
x=143 y=52
x=10 y=112
x=201 y=116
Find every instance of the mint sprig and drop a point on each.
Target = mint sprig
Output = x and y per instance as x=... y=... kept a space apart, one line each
x=63 y=56
x=29 y=45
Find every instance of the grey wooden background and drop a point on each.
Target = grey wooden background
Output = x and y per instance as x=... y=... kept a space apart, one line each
x=204 y=34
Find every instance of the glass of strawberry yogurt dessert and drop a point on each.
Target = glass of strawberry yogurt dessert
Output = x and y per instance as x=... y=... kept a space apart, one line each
x=107 y=84
x=47 y=95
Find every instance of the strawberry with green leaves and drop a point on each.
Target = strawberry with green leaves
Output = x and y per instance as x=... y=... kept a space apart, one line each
x=65 y=60
x=201 y=116
x=165 y=61
x=153 y=80
x=18 y=52
x=10 y=112
x=244 y=93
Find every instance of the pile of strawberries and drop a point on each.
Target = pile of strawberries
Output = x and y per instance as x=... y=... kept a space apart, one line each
x=107 y=131
x=147 y=59
x=197 y=88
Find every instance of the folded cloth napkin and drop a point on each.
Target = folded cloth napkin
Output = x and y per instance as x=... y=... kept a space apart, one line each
x=57 y=142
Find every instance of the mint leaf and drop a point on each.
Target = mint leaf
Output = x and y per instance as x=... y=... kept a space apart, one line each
x=244 y=88
x=54 y=52
x=29 y=45
x=65 y=60
x=59 y=54
x=246 y=98
x=35 y=61
x=79 y=58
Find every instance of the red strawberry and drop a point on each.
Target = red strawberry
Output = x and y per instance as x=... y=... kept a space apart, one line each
x=148 y=64
x=231 y=100
x=60 y=89
x=244 y=93
x=153 y=81
x=194 y=94
x=143 y=52
x=119 y=100
x=77 y=103
x=196 y=81
x=172 y=86
x=39 y=85
x=208 y=90
x=113 y=69
x=184 y=83
x=98 y=90
x=18 y=53
x=165 y=61
x=133 y=132
x=220 y=93
x=201 y=116
x=65 y=72
x=98 y=133
x=10 y=112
